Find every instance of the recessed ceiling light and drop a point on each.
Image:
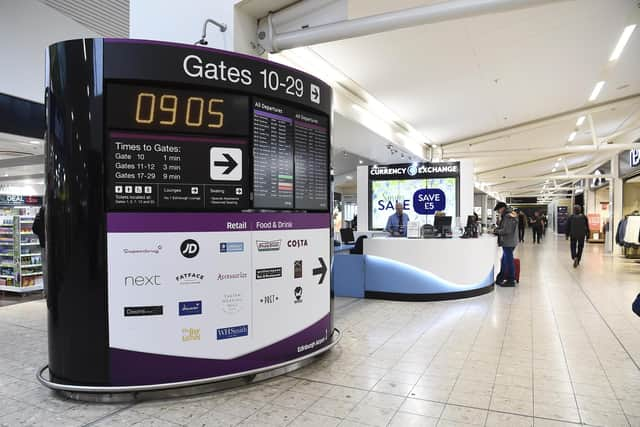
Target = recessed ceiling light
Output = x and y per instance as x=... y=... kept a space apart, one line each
x=6 y=174
x=553 y=170
x=580 y=120
x=434 y=145
x=559 y=159
x=596 y=90
x=349 y=177
x=361 y=162
x=572 y=136
x=622 y=42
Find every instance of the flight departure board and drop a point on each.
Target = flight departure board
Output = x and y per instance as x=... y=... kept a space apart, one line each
x=311 y=147
x=272 y=155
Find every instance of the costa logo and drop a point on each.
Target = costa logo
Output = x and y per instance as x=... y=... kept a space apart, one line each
x=297 y=243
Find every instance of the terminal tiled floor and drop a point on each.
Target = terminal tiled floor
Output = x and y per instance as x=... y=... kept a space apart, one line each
x=562 y=348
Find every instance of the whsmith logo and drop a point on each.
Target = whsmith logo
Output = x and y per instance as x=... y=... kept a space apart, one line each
x=142 y=281
x=189 y=278
x=268 y=245
x=228 y=247
x=132 y=251
x=413 y=170
x=268 y=273
x=231 y=276
x=232 y=332
x=188 y=308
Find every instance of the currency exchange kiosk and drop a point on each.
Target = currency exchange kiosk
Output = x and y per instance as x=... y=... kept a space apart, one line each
x=187 y=215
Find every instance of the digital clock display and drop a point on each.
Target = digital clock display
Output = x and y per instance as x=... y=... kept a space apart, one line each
x=176 y=110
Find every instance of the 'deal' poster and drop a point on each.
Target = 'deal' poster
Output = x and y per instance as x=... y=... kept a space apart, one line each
x=207 y=294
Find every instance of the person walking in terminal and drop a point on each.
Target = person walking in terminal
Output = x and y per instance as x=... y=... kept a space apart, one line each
x=507 y=239
x=397 y=222
x=536 y=226
x=577 y=230
x=522 y=224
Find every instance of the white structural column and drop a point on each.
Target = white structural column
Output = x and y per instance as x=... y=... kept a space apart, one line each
x=617 y=202
x=181 y=21
x=362 y=197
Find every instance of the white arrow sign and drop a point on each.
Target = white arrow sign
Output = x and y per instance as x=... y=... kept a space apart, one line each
x=225 y=164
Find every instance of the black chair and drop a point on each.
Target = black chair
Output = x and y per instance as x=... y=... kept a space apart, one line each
x=427 y=230
x=359 y=247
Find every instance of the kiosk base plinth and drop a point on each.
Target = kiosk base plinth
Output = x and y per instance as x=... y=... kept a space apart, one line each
x=116 y=394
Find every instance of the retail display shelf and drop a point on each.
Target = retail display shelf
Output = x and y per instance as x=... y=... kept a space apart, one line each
x=32 y=274
x=6 y=276
x=21 y=290
x=31 y=265
x=34 y=254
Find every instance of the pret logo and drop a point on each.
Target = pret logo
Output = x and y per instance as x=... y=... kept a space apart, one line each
x=139 y=281
x=232 y=332
x=189 y=248
x=231 y=276
x=297 y=292
x=190 y=334
x=189 y=308
x=268 y=273
x=297 y=269
x=269 y=299
x=147 y=310
x=232 y=302
x=189 y=278
x=227 y=247
x=155 y=250
x=268 y=245
x=299 y=243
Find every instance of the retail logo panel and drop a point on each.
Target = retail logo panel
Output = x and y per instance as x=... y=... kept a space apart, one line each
x=218 y=224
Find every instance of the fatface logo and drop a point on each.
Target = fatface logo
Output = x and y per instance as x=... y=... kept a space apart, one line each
x=231 y=302
x=231 y=276
x=139 y=281
x=189 y=248
x=148 y=310
x=297 y=269
x=269 y=299
x=228 y=247
x=429 y=200
x=232 y=332
x=189 y=278
x=297 y=292
x=268 y=273
x=143 y=251
x=268 y=245
x=189 y=308
x=299 y=243
x=190 y=334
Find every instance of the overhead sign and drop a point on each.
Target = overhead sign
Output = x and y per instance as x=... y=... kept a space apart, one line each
x=18 y=200
x=414 y=170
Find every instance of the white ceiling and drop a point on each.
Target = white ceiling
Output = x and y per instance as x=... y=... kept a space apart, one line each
x=458 y=79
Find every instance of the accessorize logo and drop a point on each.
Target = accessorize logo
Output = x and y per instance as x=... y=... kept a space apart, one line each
x=189 y=248
x=297 y=292
x=268 y=273
x=189 y=278
x=142 y=280
x=228 y=247
x=232 y=302
x=268 y=245
x=232 y=332
x=189 y=308
x=190 y=334
x=133 y=251
x=299 y=243
x=147 y=310
x=269 y=299
x=231 y=276
x=297 y=269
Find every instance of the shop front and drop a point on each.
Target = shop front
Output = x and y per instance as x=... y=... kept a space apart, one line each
x=628 y=229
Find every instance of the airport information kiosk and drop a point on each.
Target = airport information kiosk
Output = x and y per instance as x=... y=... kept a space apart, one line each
x=187 y=214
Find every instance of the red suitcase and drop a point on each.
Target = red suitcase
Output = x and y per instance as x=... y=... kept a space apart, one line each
x=516 y=261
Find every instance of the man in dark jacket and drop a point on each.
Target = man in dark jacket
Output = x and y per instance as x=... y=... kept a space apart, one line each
x=522 y=224
x=507 y=232
x=577 y=230
x=537 y=227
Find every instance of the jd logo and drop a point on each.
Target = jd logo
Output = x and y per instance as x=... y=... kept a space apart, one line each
x=189 y=248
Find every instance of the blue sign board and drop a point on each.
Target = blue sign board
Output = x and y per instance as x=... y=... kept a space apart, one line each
x=428 y=201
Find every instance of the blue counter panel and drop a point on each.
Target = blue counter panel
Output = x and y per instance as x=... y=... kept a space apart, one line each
x=348 y=275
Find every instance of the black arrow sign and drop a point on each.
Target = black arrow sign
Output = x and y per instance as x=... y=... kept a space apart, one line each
x=230 y=164
x=320 y=270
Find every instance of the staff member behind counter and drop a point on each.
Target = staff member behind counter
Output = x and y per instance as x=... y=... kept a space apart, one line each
x=397 y=222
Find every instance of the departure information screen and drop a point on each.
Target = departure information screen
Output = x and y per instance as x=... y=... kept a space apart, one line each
x=185 y=149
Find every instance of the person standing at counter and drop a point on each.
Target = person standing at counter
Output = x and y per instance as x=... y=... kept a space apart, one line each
x=397 y=222
x=507 y=232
